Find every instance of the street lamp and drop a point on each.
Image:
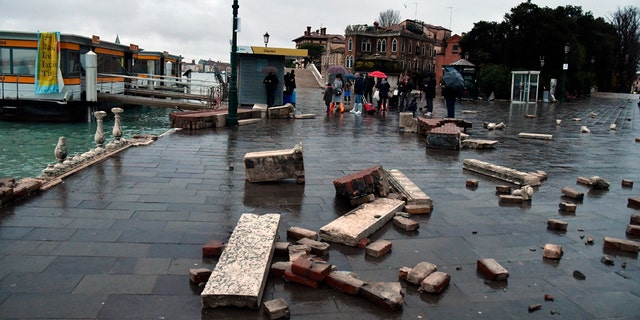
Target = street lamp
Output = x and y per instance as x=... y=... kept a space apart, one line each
x=593 y=60
x=565 y=67
x=266 y=39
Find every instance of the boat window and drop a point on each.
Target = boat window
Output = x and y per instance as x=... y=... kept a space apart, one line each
x=24 y=61
x=5 y=62
x=70 y=63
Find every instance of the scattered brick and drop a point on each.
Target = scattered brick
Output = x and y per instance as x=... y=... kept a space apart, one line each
x=418 y=208
x=363 y=243
x=590 y=240
x=556 y=224
x=403 y=272
x=502 y=189
x=298 y=250
x=627 y=183
x=311 y=268
x=548 y=297
x=507 y=198
x=344 y=281
x=318 y=248
x=378 y=248
x=584 y=181
x=292 y=277
x=572 y=193
x=421 y=271
x=634 y=202
x=621 y=244
x=492 y=270
x=472 y=183
x=199 y=275
x=435 y=282
x=298 y=233
x=633 y=230
x=634 y=219
x=281 y=249
x=567 y=207
x=607 y=260
x=406 y=223
x=552 y=251
x=213 y=248
x=358 y=184
x=366 y=199
x=535 y=307
x=276 y=308
x=278 y=268
x=386 y=294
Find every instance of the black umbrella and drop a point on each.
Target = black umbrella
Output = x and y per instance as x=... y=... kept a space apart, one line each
x=453 y=79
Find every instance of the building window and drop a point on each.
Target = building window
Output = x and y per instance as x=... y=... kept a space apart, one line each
x=394 y=45
x=381 y=45
x=402 y=46
x=424 y=50
x=350 y=62
x=410 y=48
x=455 y=48
x=366 y=45
x=409 y=64
x=350 y=46
x=431 y=51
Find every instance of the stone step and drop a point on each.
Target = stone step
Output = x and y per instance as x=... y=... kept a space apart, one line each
x=241 y=273
x=499 y=172
x=361 y=222
x=274 y=165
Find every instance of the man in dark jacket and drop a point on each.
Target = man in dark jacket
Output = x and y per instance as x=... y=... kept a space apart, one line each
x=383 y=92
x=369 y=84
x=429 y=91
x=358 y=90
x=271 y=84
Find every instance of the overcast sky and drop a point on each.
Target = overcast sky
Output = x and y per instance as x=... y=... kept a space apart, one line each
x=201 y=29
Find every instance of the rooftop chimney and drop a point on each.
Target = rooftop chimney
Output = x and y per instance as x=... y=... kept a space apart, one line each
x=308 y=31
x=323 y=31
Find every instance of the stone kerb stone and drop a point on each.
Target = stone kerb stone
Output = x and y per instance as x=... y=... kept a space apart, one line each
x=500 y=172
x=275 y=165
x=241 y=273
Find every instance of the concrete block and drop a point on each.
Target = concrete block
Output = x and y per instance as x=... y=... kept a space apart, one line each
x=297 y=233
x=571 y=193
x=633 y=202
x=634 y=219
x=502 y=189
x=410 y=191
x=479 y=144
x=289 y=276
x=278 y=268
x=240 y=275
x=435 y=282
x=213 y=248
x=199 y=275
x=371 y=180
x=499 y=172
x=539 y=136
x=378 y=248
x=627 y=183
x=621 y=244
x=556 y=224
x=344 y=281
x=567 y=207
x=275 y=165
x=311 y=268
x=421 y=271
x=552 y=251
x=386 y=294
x=361 y=222
x=492 y=270
x=276 y=308
x=406 y=223
x=633 y=230
x=318 y=248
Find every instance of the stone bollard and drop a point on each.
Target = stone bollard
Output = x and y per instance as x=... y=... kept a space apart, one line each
x=117 y=129
x=61 y=154
x=99 y=136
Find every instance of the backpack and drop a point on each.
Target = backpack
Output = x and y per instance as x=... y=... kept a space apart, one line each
x=337 y=91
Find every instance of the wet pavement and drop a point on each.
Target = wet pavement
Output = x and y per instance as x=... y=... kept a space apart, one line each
x=117 y=240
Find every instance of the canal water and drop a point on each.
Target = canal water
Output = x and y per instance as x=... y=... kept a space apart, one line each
x=27 y=148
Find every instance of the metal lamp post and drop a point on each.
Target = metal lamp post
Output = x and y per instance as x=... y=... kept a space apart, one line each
x=593 y=60
x=266 y=39
x=540 y=76
x=232 y=116
x=565 y=67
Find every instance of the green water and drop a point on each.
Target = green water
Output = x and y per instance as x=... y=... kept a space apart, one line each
x=27 y=148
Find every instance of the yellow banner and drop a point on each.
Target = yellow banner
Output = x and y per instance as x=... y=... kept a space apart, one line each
x=47 y=64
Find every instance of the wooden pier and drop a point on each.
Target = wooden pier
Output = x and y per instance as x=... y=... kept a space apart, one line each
x=152 y=102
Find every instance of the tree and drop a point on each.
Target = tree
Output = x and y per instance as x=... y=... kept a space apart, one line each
x=389 y=18
x=315 y=51
x=627 y=50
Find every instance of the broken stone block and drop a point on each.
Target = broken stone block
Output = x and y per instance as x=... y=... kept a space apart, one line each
x=361 y=222
x=298 y=250
x=535 y=307
x=413 y=195
x=634 y=219
x=567 y=207
x=552 y=251
x=526 y=192
x=446 y=137
x=311 y=268
x=359 y=184
x=305 y=281
x=599 y=183
x=417 y=208
x=386 y=294
x=633 y=230
x=479 y=143
x=539 y=136
x=282 y=249
x=199 y=275
x=627 y=183
x=378 y=248
x=621 y=244
x=281 y=112
x=556 y=224
x=607 y=260
x=571 y=193
x=507 y=198
x=278 y=268
x=590 y=240
x=361 y=200
x=502 y=189
x=297 y=233
x=584 y=181
x=276 y=308
x=408 y=123
x=633 y=202
x=472 y=183
x=275 y=165
x=492 y=270
x=435 y=282
x=406 y=223
x=344 y=281
x=213 y=248
x=318 y=248
x=421 y=271
x=500 y=172
x=362 y=243
x=248 y=253
x=403 y=272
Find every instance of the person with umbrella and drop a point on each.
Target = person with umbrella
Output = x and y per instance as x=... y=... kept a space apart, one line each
x=452 y=85
x=271 y=84
x=337 y=94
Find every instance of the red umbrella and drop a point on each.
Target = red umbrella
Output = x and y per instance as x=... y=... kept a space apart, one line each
x=377 y=74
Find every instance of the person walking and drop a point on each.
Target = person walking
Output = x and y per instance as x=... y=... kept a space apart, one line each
x=328 y=96
x=429 y=91
x=369 y=84
x=450 y=95
x=358 y=91
x=337 y=94
x=271 y=84
x=404 y=89
x=383 y=92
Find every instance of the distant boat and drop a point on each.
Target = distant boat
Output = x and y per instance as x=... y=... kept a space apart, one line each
x=37 y=87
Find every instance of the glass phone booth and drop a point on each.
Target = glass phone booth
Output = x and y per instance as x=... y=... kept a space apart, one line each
x=524 y=86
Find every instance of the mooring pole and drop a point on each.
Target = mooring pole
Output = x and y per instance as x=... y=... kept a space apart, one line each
x=232 y=117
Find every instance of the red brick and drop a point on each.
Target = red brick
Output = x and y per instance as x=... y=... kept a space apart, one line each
x=378 y=248
x=213 y=248
x=403 y=272
x=292 y=277
x=282 y=249
x=315 y=270
x=318 y=248
x=363 y=243
x=556 y=224
x=199 y=275
x=360 y=184
x=633 y=230
x=627 y=183
x=276 y=308
x=406 y=223
x=552 y=251
x=507 y=198
x=472 y=183
x=634 y=202
x=386 y=294
x=584 y=181
x=567 y=207
x=344 y=282
x=502 y=189
x=634 y=219
x=421 y=271
x=278 y=268
x=298 y=250
x=298 y=233
x=418 y=208
x=621 y=244
x=571 y=193
x=435 y=282
x=492 y=270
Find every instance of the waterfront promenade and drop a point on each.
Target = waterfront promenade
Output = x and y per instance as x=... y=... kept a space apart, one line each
x=117 y=240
